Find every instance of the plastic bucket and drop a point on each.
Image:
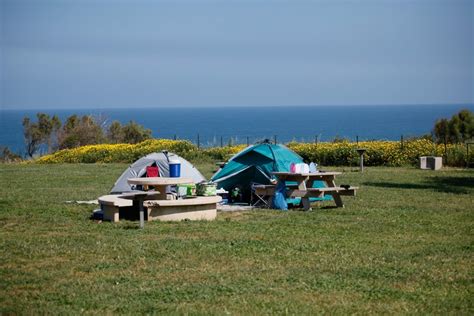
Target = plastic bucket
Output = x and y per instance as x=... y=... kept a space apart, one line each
x=175 y=168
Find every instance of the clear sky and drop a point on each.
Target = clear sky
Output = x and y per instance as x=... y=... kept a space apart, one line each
x=79 y=53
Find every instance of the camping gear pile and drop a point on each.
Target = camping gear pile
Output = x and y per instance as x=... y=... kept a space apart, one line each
x=303 y=167
x=198 y=189
x=254 y=165
x=233 y=181
x=186 y=190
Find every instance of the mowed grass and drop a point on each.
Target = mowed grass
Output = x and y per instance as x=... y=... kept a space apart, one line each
x=403 y=245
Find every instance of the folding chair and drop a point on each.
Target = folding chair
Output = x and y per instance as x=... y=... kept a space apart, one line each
x=261 y=195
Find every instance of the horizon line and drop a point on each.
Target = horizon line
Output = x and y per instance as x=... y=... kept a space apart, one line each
x=229 y=106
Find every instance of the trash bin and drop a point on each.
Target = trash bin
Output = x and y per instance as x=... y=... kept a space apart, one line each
x=431 y=162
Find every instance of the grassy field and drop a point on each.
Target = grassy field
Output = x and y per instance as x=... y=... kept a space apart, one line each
x=403 y=245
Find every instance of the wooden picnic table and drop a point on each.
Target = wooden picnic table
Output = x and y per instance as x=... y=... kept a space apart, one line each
x=304 y=186
x=160 y=183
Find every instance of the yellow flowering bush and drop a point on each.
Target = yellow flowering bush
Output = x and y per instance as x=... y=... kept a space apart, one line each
x=378 y=153
x=118 y=152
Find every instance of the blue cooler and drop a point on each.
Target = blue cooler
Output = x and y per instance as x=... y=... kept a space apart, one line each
x=175 y=168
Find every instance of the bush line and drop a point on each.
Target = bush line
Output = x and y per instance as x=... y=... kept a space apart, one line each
x=379 y=153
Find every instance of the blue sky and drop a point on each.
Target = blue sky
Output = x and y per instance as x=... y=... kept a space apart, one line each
x=71 y=54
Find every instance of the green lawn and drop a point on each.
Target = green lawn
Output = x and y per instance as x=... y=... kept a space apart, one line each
x=403 y=245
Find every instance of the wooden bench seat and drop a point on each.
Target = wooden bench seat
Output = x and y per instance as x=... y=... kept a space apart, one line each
x=197 y=208
x=111 y=204
x=183 y=202
x=293 y=191
x=351 y=191
x=115 y=200
x=320 y=192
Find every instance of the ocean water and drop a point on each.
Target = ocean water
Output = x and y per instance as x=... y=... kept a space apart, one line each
x=300 y=123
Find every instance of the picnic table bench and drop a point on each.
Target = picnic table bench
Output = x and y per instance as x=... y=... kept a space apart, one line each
x=195 y=208
x=157 y=205
x=304 y=186
x=112 y=203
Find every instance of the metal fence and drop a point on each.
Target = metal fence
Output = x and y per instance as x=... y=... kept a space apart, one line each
x=221 y=141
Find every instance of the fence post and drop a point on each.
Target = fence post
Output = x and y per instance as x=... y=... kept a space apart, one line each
x=248 y=143
x=275 y=139
x=222 y=145
x=467 y=155
x=198 y=142
x=468 y=161
x=446 y=150
x=401 y=142
x=174 y=137
x=357 y=140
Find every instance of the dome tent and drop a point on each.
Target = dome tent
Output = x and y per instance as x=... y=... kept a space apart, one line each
x=255 y=164
x=161 y=160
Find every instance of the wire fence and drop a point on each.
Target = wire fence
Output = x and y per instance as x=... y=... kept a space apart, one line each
x=220 y=141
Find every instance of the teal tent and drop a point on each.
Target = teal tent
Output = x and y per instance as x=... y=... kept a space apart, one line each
x=255 y=164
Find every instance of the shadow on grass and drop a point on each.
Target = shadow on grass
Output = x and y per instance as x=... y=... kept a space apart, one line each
x=328 y=207
x=130 y=227
x=457 y=185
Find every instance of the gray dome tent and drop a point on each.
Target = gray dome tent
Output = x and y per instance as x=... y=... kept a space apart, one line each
x=138 y=169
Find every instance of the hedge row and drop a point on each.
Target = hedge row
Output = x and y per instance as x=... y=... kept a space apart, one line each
x=117 y=152
x=379 y=153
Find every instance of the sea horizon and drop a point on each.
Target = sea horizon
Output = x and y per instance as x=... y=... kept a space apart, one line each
x=46 y=108
x=240 y=124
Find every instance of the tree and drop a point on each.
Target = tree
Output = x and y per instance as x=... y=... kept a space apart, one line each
x=90 y=131
x=134 y=133
x=48 y=128
x=71 y=123
x=32 y=135
x=41 y=132
x=6 y=155
x=56 y=127
x=454 y=136
x=459 y=128
x=45 y=125
x=466 y=124
x=441 y=131
x=130 y=133
x=80 y=132
x=115 y=133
